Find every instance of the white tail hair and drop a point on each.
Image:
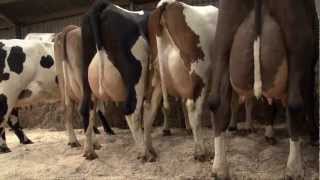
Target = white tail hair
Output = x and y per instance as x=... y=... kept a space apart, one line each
x=160 y=3
x=102 y=57
x=257 y=86
x=65 y=81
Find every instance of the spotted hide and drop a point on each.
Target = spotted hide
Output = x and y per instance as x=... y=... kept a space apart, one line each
x=27 y=77
x=115 y=59
x=267 y=54
x=68 y=55
x=181 y=39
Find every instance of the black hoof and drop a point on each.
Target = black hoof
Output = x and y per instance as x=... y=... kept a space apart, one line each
x=27 y=141
x=74 y=144
x=4 y=149
x=271 y=140
x=96 y=130
x=203 y=157
x=149 y=156
x=166 y=132
x=189 y=132
x=232 y=128
x=90 y=156
x=110 y=132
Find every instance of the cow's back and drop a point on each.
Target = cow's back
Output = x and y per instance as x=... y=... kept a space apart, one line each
x=31 y=70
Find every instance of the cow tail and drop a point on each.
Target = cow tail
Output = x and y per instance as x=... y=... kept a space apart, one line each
x=94 y=20
x=64 y=62
x=257 y=48
x=160 y=25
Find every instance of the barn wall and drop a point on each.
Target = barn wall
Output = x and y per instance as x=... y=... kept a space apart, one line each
x=51 y=26
x=7 y=33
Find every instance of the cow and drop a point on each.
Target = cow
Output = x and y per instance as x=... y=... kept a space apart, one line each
x=27 y=76
x=68 y=56
x=264 y=53
x=46 y=37
x=181 y=40
x=114 y=65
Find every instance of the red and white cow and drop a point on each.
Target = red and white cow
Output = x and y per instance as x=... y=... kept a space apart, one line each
x=181 y=38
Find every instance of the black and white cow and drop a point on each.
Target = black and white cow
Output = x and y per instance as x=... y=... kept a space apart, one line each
x=115 y=62
x=27 y=76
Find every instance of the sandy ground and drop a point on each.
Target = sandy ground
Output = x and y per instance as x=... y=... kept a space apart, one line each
x=50 y=158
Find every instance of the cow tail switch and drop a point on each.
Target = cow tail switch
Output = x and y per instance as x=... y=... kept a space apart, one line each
x=94 y=17
x=257 y=86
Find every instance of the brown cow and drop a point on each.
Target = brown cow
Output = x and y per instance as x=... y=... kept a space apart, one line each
x=280 y=67
x=68 y=55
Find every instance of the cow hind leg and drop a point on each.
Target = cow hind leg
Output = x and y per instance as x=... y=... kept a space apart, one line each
x=235 y=106
x=150 y=112
x=166 y=128
x=106 y=126
x=269 y=132
x=195 y=109
x=72 y=139
x=14 y=124
x=221 y=121
x=295 y=117
x=89 y=152
x=3 y=145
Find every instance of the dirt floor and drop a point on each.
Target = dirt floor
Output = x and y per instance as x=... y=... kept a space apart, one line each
x=50 y=158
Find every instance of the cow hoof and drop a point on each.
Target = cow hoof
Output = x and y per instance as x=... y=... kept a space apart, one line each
x=294 y=174
x=166 y=132
x=96 y=130
x=220 y=173
x=74 y=144
x=4 y=149
x=149 y=156
x=232 y=128
x=27 y=141
x=201 y=154
x=203 y=157
x=271 y=140
x=189 y=132
x=110 y=132
x=97 y=146
x=90 y=155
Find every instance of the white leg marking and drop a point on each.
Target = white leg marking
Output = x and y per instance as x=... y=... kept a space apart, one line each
x=103 y=57
x=269 y=131
x=257 y=72
x=220 y=167
x=89 y=152
x=295 y=161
